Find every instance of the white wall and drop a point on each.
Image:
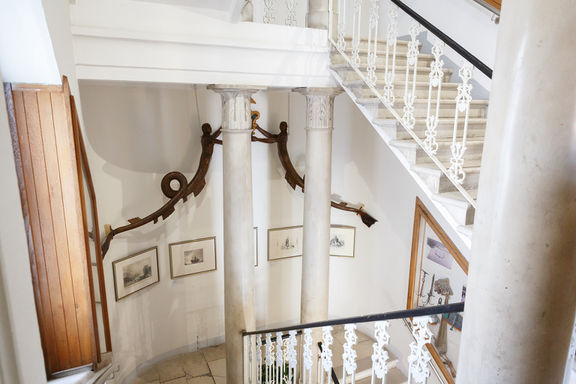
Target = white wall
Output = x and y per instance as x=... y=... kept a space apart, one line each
x=139 y=133
x=26 y=54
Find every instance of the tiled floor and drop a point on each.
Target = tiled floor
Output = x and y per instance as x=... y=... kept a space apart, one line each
x=206 y=366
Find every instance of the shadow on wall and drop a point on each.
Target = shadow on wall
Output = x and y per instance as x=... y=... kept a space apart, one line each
x=154 y=129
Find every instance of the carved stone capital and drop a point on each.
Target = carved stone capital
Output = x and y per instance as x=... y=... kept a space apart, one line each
x=320 y=106
x=236 y=108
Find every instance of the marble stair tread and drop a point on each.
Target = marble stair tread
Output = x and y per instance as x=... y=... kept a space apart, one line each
x=398 y=82
x=348 y=39
x=422 y=122
x=432 y=169
x=443 y=142
x=466 y=230
x=399 y=69
x=394 y=376
x=417 y=102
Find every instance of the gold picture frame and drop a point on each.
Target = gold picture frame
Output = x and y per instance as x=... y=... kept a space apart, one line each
x=436 y=279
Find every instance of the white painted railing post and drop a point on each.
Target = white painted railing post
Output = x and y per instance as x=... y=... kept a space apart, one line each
x=432 y=118
x=390 y=64
x=410 y=83
x=418 y=369
x=458 y=148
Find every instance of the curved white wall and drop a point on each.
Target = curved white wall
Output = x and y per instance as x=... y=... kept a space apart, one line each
x=138 y=133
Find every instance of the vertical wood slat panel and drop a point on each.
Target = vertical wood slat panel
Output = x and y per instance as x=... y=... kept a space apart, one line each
x=50 y=177
x=74 y=219
x=35 y=138
x=42 y=290
x=59 y=224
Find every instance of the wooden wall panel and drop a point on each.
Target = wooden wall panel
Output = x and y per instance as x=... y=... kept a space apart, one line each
x=51 y=198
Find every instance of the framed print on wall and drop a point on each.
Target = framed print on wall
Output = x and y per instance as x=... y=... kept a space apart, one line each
x=192 y=256
x=438 y=275
x=284 y=243
x=342 y=240
x=135 y=272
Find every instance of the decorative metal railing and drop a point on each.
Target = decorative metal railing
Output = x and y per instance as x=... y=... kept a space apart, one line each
x=391 y=68
x=283 y=12
x=289 y=355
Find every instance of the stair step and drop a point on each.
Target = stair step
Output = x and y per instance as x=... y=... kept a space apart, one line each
x=382 y=42
x=445 y=128
x=447 y=108
x=460 y=209
x=348 y=74
x=466 y=230
x=400 y=83
x=438 y=182
x=415 y=154
x=364 y=368
x=421 y=92
x=424 y=59
x=394 y=376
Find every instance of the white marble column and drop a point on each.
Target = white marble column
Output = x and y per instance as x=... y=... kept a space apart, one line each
x=238 y=223
x=318 y=11
x=317 y=193
x=521 y=295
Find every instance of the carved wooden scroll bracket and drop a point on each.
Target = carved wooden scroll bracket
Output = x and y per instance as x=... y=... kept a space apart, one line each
x=198 y=182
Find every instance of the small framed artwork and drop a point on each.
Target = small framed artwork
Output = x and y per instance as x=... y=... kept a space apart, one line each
x=438 y=275
x=342 y=240
x=284 y=243
x=135 y=272
x=255 y=246
x=192 y=256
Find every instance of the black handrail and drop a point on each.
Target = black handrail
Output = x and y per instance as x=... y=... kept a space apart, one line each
x=446 y=39
x=424 y=311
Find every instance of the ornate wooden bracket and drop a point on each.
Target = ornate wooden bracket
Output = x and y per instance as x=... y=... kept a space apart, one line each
x=198 y=182
x=292 y=176
x=185 y=188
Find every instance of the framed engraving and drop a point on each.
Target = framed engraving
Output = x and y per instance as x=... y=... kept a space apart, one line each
x=135 y=272
x=284 y=243
x=192 y=257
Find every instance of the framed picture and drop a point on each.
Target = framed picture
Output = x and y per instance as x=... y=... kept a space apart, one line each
x=342 y=240
x=438 y=274
x=255 y=246
x=192 y=256
x=284 y=243
x=135 y=272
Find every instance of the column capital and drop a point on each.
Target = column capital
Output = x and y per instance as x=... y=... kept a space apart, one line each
x=320 y=107
x=236 y=110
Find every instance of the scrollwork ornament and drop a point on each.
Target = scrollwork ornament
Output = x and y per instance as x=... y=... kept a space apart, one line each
x=436 y=68
x=269 y=7
x=379 y=354
x=418 y=369
x=269 y=351
x=464 y=96
x=456 y=169
x=307 y=353
x=408 y=117
x=291 y=348
x=349 y=355
x=431 y=132
x=413 y=45
x=356 y=37
x=372 y=42
x=326 y=354
x=291 y=8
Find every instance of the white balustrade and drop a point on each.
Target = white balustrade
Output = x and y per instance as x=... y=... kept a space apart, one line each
x=404 y=71
x=284 y=12
x=283 y=355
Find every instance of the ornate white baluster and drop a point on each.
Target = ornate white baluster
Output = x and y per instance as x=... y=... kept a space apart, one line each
x=356 y=33
x=380 y=354
x=411 y=62
x=269 y=358
x=259 y=358
x=291 y=357
x=291 y=8
x=372 y=42
x=463 y=100
x=326 y=354
x=418 y=370
x=269 y=7
x=279 y=359
x=341 y=24
x=349 y=355
x=390 y=66
x=307 y=357
x=436 y=77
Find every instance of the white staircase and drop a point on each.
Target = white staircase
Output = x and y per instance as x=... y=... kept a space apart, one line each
x=439 y=186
